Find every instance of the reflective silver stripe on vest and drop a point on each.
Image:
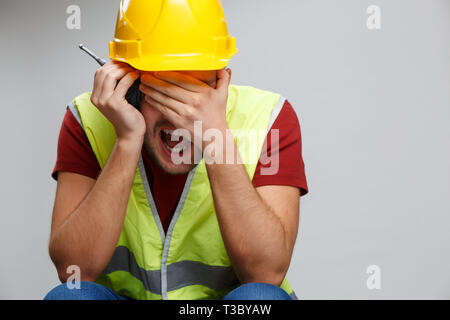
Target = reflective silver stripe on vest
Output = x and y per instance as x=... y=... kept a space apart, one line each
x=166 y=239
x=123 y=260
x=179 y=274
x=276 y=111
x=150 y=200
x=75 y=113
x=164 y=269
x=185 y=273
x=293 y=295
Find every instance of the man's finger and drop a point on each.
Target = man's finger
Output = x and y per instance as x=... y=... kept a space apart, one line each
x=171 y=115
x=223 y=79
x=165 y=87
x=125 y=83
x=182 y=80
x=98 y=81
x=111 y=79
x=162 y=98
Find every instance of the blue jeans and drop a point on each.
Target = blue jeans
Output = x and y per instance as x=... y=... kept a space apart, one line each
x=257 y=291
x=94 y=291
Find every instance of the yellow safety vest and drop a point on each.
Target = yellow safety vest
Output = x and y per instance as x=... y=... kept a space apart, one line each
x=190 y=261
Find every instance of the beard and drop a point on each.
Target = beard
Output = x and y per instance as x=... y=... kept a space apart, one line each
x=150 y=146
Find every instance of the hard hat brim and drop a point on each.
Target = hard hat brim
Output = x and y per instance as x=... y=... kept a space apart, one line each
x=180 y=62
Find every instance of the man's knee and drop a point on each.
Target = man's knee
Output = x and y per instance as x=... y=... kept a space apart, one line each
x=86 y=291
x=258 y=291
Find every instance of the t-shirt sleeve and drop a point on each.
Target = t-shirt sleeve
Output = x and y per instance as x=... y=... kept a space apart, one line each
x=74 y=151
x=282 y=163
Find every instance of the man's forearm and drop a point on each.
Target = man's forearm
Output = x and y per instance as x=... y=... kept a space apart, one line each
x=254 y=236
x=88 y=236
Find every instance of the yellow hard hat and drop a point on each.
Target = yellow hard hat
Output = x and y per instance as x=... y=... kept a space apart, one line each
x=160 y=35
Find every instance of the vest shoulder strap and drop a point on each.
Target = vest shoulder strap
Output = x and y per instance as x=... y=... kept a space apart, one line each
x=99 y=130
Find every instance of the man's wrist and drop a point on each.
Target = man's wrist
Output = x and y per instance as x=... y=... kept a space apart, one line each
x=221 y=152
x=130 y=144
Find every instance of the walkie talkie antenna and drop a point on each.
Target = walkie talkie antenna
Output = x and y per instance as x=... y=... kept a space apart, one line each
x=134 y=95
x=93 y=55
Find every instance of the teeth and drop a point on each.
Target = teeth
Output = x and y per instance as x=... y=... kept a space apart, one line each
x=186 y=143
x=177 y=148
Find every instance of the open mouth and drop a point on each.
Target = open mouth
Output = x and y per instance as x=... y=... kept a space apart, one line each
x=173 y=142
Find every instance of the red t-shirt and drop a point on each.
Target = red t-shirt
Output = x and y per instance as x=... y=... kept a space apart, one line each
x=75 y=155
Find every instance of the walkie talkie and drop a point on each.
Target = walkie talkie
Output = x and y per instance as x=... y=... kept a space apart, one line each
x=134 y=95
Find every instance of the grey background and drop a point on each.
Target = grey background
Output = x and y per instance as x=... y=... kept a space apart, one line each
x=373 y=108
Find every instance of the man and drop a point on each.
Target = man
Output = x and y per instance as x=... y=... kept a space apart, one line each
x=139 y=223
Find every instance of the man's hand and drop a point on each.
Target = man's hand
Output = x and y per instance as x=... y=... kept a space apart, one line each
x=183 y=99
x=109 y=97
